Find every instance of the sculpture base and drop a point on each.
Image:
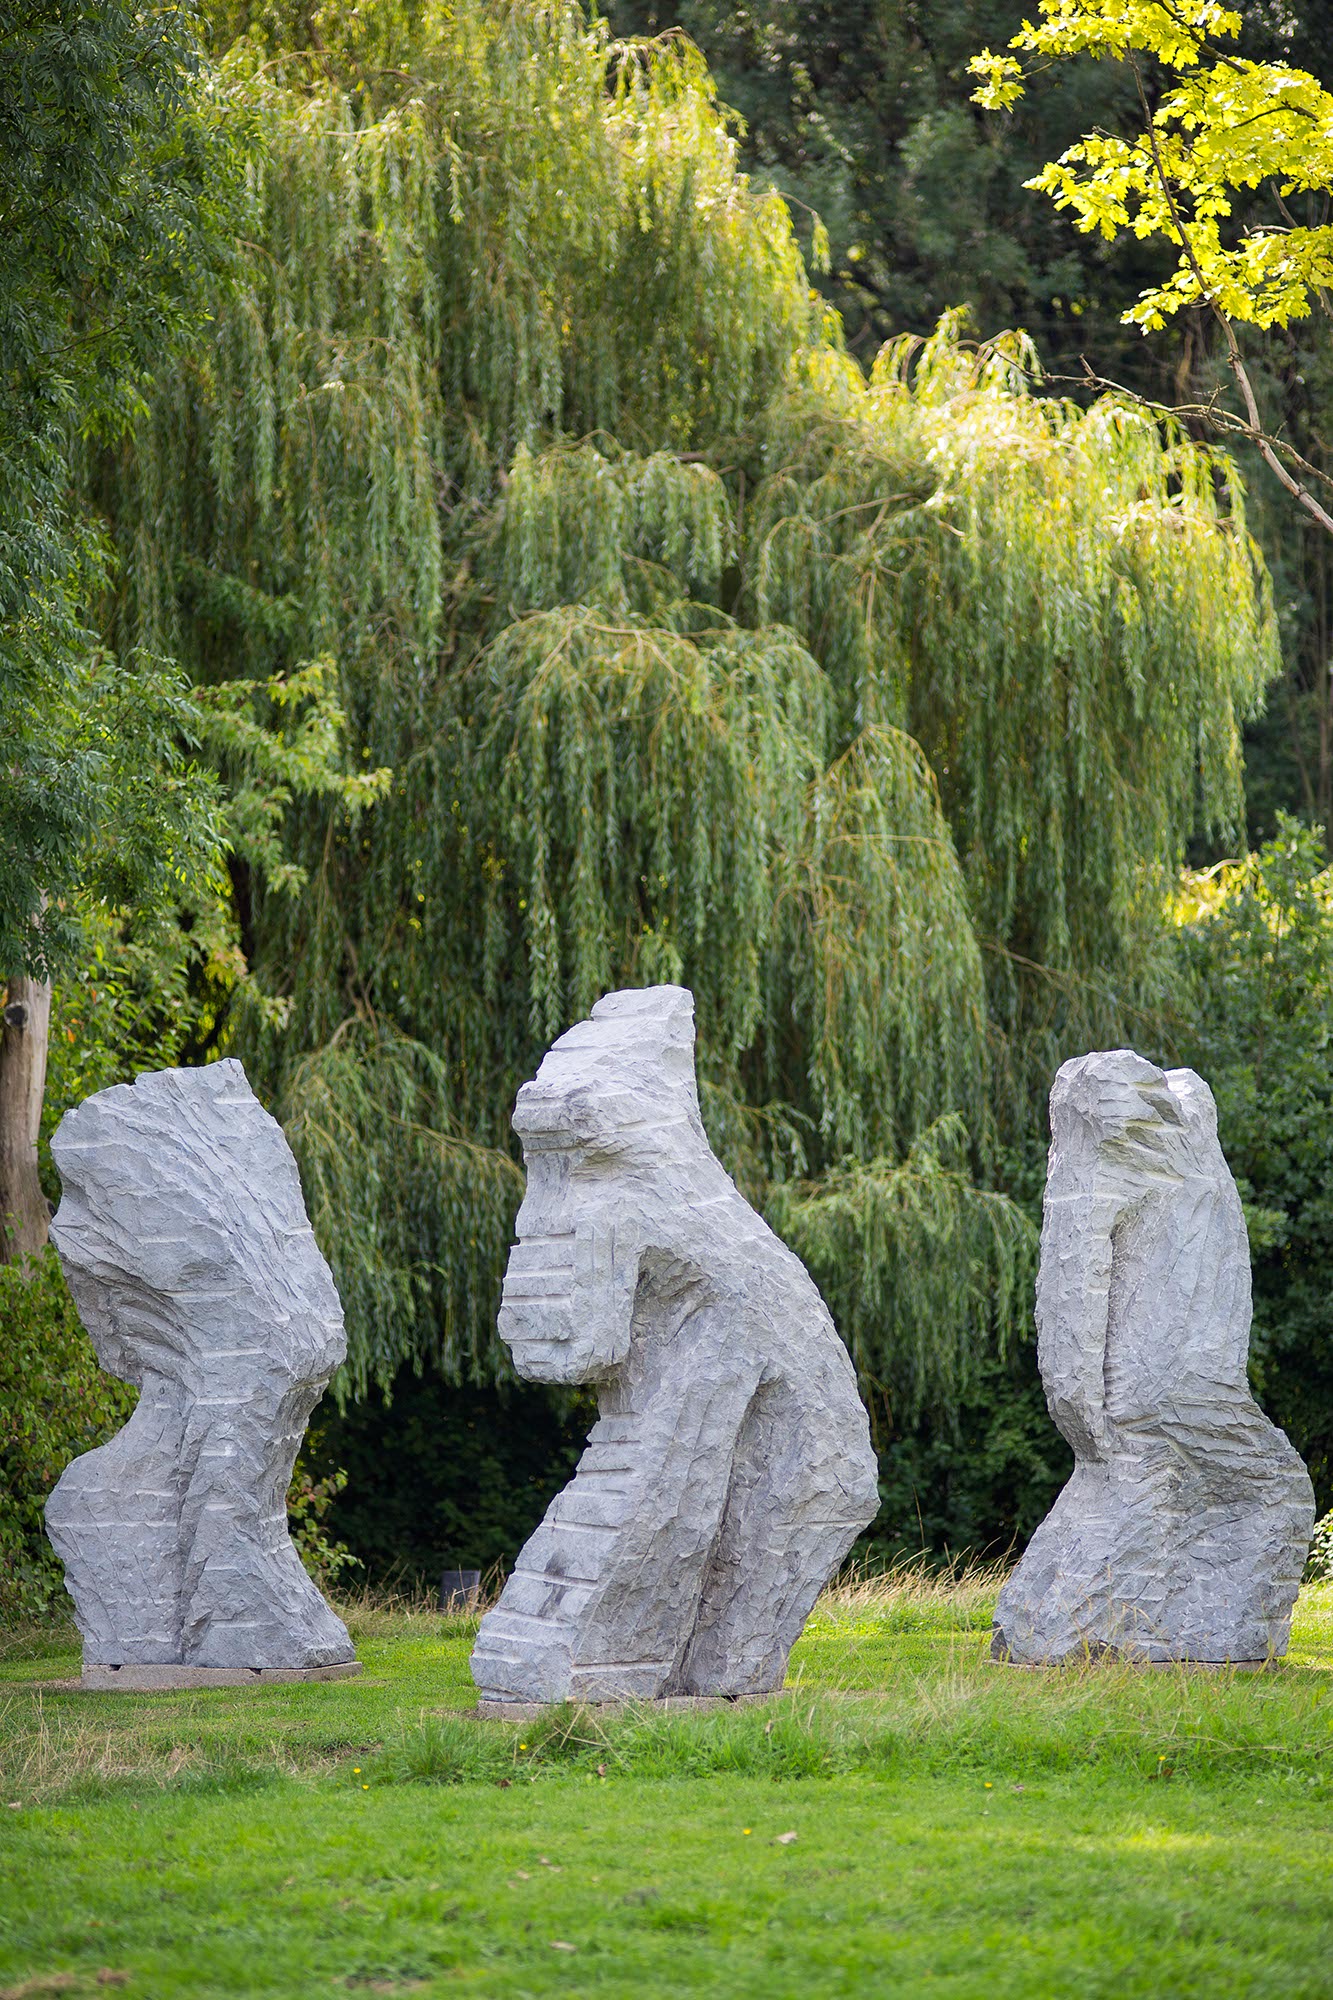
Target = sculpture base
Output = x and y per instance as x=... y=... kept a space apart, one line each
x=1108 y=1658
x=532 y=1711
x=153 y=1680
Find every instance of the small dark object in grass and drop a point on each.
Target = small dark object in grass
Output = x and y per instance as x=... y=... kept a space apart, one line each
x=460 y=1589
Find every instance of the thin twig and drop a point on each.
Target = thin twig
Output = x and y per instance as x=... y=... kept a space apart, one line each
x=1301 y=494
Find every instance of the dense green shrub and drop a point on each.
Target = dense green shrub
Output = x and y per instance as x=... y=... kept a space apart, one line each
x=309 y=1501
x=979 y=1486
x=1258 y=956
x=443 y=1477
x=55 y=1402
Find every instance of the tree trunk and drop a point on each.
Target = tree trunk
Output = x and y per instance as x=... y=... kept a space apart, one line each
x=24 y=1216
x=1325 y=753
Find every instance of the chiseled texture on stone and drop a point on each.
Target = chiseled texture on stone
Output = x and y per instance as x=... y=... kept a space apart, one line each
x=1184 y=1528
x=730 y=1468
x=185 y=1242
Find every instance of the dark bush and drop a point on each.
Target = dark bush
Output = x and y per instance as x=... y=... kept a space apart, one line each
x=55 y=1402
x=440 y=1476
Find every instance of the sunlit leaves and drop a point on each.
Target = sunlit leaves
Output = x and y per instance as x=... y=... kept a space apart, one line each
x=1227 y=124
x=1063 y=607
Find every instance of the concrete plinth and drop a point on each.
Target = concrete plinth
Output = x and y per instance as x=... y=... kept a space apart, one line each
x=156 y=1680
x=533 y=1711
x=1106 y=1658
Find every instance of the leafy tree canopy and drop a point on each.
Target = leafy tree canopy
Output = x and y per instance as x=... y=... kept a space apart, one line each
x=117 y=185
x=1257 y=948
x=870 y=706
x=1224 y=123
x=121 y=785
x=858 y=112
x=1222 y=126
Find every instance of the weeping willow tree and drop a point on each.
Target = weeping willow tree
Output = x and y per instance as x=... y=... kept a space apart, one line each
x=1063 y=607
x=868 y=708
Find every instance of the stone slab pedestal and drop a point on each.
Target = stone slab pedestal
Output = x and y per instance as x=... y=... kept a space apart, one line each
x=155 y=1680
x=533 y=1711
x=1078 y=1661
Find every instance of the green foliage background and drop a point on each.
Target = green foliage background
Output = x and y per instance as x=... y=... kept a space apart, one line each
x=696 y=652
x=1258 y=959
x=868 y=691
x=860 y=113
x=119 y=200
x=55 y=1402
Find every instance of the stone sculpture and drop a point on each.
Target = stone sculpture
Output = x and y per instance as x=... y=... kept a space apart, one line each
x=1183 y=1530
x=184 y=1239
x=730 y=1468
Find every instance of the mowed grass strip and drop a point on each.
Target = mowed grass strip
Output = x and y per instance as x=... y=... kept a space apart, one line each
x=963 y=1828
x=1078 y=1885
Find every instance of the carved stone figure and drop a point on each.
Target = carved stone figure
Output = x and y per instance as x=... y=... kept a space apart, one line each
x=185 y=1242
x=730 y=1468
x=1184 y=1528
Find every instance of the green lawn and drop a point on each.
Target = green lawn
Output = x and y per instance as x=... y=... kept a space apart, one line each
x=963 y=1829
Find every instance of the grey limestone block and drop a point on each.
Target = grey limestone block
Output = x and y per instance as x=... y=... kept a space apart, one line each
x=185 y=1242
x=1183 y=1530
x=730 y=1467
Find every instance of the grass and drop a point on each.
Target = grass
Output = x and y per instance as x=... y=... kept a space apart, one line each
x=961 y=1829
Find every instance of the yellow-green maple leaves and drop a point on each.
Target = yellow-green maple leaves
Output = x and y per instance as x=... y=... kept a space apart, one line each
x=1227 y=124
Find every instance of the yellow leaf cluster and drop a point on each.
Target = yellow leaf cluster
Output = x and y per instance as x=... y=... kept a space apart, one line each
x=1226 y=125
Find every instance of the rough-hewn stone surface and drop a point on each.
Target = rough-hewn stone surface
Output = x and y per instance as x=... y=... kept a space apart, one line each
x=1184 y=1528
x=730 y=1468
x=185 y=1242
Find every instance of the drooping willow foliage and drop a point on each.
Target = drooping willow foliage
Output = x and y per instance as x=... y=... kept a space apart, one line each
x=1041 y=595
x=868 y=709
